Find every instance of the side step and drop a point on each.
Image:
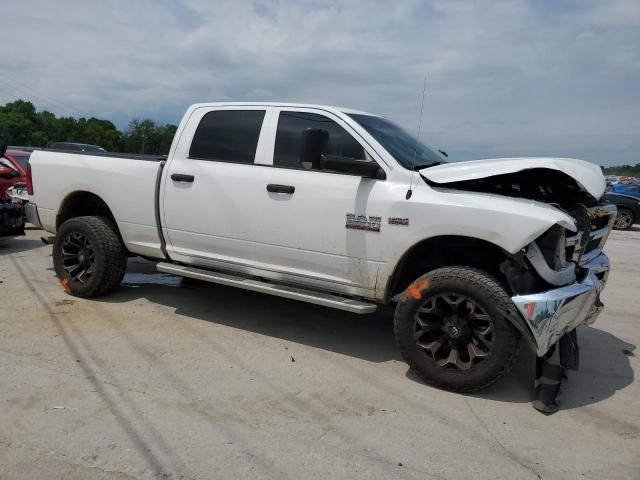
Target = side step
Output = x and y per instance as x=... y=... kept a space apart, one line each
x=293 y=293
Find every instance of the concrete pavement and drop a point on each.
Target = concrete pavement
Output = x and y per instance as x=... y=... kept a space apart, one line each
x=173 y=380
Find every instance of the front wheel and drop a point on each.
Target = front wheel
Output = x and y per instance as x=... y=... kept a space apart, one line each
x=452 y=329
x=88 y=256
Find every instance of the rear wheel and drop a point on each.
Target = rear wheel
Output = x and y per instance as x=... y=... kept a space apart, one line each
x=624 y=220
x=452 y=329
x=88 y=256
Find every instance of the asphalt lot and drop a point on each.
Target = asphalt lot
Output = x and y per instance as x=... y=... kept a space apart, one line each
x=166 y=379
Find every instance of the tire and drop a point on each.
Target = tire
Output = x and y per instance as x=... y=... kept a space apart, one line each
x=433 y=309
x=92 y=244
x=625 y=219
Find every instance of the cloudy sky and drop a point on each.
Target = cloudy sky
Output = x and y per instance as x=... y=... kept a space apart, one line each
x=505 y=78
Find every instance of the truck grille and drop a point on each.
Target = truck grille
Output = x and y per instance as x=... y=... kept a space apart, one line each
x=584 y=250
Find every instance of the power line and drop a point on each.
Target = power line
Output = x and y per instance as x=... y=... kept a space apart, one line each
x=31 y=92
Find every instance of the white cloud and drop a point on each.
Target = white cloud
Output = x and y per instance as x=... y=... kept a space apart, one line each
x=504 y=77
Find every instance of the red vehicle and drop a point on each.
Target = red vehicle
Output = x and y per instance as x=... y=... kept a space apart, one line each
x=11 y=172
x=13 y=169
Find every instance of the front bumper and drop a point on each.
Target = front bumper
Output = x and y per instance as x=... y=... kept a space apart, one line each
x=551 y=314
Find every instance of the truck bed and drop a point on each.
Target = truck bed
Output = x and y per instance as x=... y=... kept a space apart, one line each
x=131 y=156
x=127 y=183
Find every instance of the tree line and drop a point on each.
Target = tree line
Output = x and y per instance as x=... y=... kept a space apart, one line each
x=22 y=125
x=623 y=170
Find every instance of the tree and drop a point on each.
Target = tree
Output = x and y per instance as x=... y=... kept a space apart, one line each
x=21 y=124
x=145 y=136
x=623 y=170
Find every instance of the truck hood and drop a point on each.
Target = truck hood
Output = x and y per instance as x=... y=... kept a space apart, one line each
x=587 y=175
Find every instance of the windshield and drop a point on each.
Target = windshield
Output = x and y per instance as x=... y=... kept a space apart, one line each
x=399 y=143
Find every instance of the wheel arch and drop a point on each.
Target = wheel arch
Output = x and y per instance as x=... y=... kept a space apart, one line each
x=442 y=251
x=82 y=203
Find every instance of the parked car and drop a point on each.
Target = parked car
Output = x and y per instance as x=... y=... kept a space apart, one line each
x=631 y=189
x=20 y=155
x=11 y=171
x=628 y=209
x=11 y=213
x=79 y=147
x=344 y=209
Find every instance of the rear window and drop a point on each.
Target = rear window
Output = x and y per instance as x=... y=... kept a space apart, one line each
x=228 y=136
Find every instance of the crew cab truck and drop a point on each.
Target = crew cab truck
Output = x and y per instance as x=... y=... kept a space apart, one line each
x=344 y=209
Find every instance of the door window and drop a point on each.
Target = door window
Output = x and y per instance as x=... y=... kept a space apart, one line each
x=291 y=127
x=227 y=136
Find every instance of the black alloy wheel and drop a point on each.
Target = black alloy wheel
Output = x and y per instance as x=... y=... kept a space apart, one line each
x=78 y=257
x=454 y=331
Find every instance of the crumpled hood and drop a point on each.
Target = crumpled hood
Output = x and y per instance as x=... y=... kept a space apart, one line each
x=587 y=175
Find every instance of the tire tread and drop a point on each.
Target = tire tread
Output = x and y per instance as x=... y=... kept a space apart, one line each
x=497 y=294
x=115 y=253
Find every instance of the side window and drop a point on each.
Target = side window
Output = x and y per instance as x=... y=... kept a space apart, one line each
x=291 y=127
x=227 y=136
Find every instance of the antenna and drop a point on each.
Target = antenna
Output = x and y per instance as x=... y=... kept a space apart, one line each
x=415 y=151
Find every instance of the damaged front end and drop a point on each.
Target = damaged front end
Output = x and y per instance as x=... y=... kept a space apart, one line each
x=557 y=278
x=11 y=219
x=574 y=273
x=553 y=315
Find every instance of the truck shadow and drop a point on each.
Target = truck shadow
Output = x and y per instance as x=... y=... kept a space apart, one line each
x=369 y=337
x=18 y=244
x=604 y=368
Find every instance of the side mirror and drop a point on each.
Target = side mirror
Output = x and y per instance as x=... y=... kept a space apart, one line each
x=6 y=172
x=314 y=141
x=363 y=168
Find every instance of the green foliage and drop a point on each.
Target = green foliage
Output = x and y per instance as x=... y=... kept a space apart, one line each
x=624 y=170
x=21 y=124
x=145 y=136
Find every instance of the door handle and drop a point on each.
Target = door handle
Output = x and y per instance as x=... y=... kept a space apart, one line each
x=275 y=188
x=181 y=177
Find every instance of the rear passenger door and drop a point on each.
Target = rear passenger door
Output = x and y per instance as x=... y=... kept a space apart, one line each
x=210 y=186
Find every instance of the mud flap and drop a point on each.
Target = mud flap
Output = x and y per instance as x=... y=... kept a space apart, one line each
x=551 y=378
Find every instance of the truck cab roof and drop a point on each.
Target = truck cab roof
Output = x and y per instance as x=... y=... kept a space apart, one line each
x=329 y=108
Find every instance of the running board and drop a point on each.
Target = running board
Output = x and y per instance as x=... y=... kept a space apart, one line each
x=293 y=293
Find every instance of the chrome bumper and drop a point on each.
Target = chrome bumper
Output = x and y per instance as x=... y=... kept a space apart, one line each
x=551 y=314
x=31 y=212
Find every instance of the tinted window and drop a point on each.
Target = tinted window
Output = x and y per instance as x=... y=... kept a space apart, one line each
x=228 y=136
x=292 y=125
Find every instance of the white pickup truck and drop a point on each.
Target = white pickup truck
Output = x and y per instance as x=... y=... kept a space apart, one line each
x=344 y=209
